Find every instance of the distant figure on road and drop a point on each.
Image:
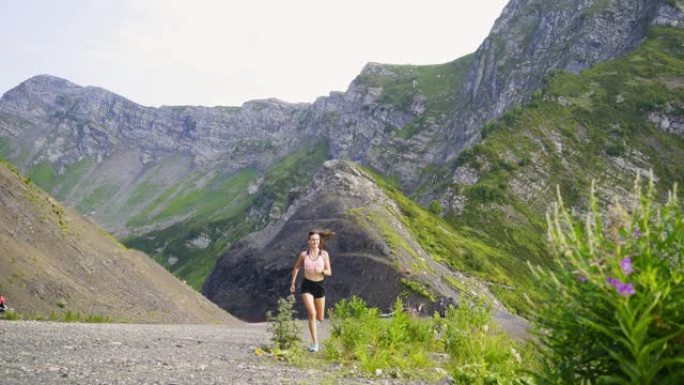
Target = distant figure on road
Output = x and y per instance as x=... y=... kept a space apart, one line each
x=316 y=262
x=2 y=303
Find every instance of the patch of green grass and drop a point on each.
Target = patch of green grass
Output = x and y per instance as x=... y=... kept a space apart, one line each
x=61 y=316
x=419 y=289
x=294 y=170
x=209 y=200
x=409 y=130
x=43 y=175
x=440 y=240
x=141 y=193
x=471 y=251
x=72 y=177
x=596 y=6
x=456 y=284
x=144 y=216
x=98 y=197
x=10 y=315
x=393 y=239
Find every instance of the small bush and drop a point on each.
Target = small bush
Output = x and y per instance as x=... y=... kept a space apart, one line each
x=284 y=328
x=10 y=315
x=612 y=311
x=435 y=207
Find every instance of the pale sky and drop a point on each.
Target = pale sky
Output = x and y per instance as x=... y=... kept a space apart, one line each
x=212 y=52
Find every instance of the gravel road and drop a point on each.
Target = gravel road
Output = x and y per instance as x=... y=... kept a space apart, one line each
x=96 y=354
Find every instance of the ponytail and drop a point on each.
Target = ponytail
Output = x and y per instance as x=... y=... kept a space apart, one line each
x=324 y=234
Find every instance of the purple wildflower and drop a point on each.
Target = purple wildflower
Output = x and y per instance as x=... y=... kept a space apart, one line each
x=637 y=233
x=625 y=289
x=581 y=278
x=626 y=265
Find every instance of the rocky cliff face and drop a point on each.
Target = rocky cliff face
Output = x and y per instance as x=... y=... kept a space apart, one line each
x=89 y=121
x=532 y=38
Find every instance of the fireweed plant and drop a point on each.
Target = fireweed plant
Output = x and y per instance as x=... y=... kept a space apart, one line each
x=612 y=311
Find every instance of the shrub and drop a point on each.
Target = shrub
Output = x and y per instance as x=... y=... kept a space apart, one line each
x=435 y=207
x=284 y=328
x=10 y=315
x=612 y=311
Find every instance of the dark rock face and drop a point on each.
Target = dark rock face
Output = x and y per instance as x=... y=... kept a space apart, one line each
x=249 y=282
x=250 y=278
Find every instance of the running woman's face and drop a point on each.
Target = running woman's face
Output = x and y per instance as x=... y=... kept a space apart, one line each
x=314 y=240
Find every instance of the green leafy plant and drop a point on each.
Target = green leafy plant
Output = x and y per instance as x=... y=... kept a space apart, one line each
x=9 y=315
x=465 y=342
x=479 y=353
x=283 y=326
x=612 y=309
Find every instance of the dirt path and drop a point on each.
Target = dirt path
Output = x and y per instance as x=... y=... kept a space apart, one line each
x=51 y=353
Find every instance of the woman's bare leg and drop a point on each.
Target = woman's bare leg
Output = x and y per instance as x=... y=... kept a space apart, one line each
x=308 y=300
x=320 y=308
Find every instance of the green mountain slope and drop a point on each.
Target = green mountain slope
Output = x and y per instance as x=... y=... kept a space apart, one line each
x=598 y=125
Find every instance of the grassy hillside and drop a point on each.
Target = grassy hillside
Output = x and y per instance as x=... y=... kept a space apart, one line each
x=463 y=249
x=593 y=126
x=56 y=265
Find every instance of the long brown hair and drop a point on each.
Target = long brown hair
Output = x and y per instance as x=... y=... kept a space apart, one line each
x=324 y=234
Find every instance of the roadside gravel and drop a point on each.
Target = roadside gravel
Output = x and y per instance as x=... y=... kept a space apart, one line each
x=52 y=353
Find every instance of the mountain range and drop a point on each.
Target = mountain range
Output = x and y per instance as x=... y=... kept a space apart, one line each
x=436 y=178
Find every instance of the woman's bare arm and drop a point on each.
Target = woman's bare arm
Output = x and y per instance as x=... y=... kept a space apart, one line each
x=295 y=271
x=327 y=269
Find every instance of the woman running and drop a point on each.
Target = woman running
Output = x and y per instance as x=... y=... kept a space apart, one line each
x=316 y=262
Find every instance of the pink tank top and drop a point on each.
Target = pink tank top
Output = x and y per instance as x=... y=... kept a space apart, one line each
x=312 y=264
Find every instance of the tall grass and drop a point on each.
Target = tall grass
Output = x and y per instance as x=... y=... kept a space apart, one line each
x=465 y=344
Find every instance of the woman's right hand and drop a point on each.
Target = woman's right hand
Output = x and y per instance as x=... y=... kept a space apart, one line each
x=292 y=289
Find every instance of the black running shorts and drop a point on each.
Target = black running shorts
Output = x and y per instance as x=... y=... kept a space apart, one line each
x=314 y=288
